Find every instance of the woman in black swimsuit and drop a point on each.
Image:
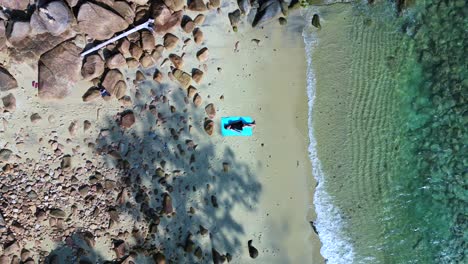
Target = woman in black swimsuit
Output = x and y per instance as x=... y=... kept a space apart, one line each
x=239 y=125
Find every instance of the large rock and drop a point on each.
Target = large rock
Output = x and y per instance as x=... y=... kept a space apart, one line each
x=170 y=41
x=268 y=11
x=18 y=31
x=93 y=67
x=15 y=4
x=7 y=82
x=2 y=35
x=98 y=22
x=116 y=61
x=111 y=80
x=175 y=5
x=182 y=77
x=9 y=102
x=55 y=18
x=197 y=5
x=124 y=10
x=164 y=19
x=127 y=119
x=59 y=70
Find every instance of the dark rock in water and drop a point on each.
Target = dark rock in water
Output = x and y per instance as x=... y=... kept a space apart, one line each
x=217 y=258
x=268 y=10
x=234 y=18
x=316 y=21
x=99 y=23
x=244 y=6
x=7 y=81
x=253 y=252
x=15 y=4
x=9 y=102
x=214 y=201
x=92 y=67
x=59 y=71
x=312 y=224
x=55 y=18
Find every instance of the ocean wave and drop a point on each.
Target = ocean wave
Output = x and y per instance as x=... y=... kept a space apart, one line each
x=336 y=247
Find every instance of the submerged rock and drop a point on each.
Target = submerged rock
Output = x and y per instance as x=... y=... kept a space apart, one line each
x=316 y=21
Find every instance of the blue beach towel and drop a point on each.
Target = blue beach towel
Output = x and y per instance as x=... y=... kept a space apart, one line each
x=246 y=131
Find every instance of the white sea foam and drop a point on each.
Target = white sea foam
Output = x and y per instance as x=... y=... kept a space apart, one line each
x=336 y=247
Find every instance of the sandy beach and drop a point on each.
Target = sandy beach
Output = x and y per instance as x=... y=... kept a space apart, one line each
x=142 y=174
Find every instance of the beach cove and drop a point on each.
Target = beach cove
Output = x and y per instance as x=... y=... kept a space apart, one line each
x=142 y=174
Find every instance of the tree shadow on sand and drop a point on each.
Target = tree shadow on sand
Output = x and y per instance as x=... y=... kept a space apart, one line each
x=171 y=195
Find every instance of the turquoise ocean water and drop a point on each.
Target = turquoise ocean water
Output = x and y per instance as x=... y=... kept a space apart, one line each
x=401 y=195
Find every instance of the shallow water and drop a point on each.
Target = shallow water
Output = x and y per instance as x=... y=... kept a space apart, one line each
x=390 y=122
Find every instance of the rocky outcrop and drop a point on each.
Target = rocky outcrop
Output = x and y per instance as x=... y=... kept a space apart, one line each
x=18 y=31
x=55 y=18
x=59 y=70
x=268 y=11
x=99 y=23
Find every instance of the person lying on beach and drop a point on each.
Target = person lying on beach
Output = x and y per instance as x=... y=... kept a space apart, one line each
x=239 y=125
